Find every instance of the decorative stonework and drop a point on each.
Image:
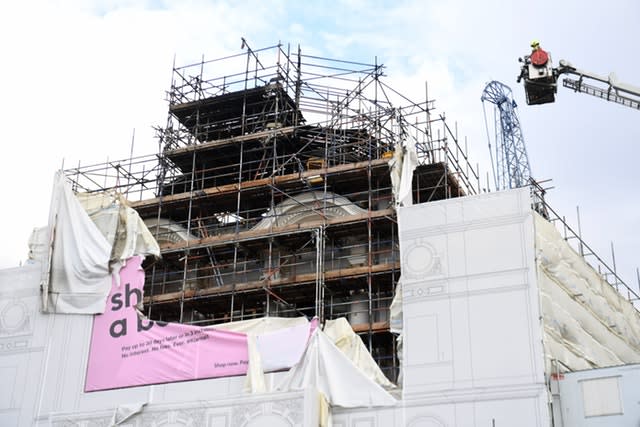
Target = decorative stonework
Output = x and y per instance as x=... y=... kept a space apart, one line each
x=86 y=422
x=292 y=409
x=310 y=206
x=174 y=418
x=422 y=292
x=426 y=421
x=421 y=260
x=287 y=412
x=241 y=414
x=15 y=318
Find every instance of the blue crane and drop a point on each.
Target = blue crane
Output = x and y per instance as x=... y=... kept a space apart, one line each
x=511 y=168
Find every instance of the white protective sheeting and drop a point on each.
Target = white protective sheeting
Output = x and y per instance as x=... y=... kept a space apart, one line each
x=121 y=225
x=587 y=323
x=350 y=344
x=39 y=245
x=254 y=381
x=409 y=163
x=275 y=343
x=395 y=310
x=395 y=167
x=262 y=325
x=396 y=325
x=76 y=276
x=402 y=165
x=269 y=330
x=324 y=412
x=328 y=370
x=124 y=412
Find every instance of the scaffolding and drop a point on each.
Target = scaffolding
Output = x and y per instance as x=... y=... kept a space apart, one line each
x=270 y=193
x=606 y=270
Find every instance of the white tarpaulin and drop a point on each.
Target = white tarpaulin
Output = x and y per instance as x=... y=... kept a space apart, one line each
x=88 y=237
x=291 y=334
x=409 y=163
x=587 y=323
x=350 y=344
x=121 y=225
x=395 y=310
x=76 y=277
x=262 y=325
x=396 y=325
x=328 y=370
x=275 y=343
x=395 y=166
x=125 y=412
x=402 y=165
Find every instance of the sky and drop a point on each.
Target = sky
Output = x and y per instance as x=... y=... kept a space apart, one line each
x=80 y=76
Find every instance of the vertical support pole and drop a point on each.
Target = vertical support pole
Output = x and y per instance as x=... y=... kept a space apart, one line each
x=615 y=272
x=142 y=186
x=106 y=166
x=133 y=138
x=319 y=309
x=369 y=258
x=186 y=255
x=235 y=280
x=298 y=87
x=428 y=125
x=466 y=160
x=244 y=95
x=239 y=188
x=268 y=276
x=580 y=245
x=455 y=138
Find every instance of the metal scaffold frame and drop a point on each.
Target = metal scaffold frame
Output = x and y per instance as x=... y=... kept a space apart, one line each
x=574 y=237
x=270 y=193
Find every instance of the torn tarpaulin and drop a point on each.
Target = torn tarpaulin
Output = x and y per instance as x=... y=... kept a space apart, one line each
x=76 y=277
x=89 y=236
x=274 y=343
x=402 y=165
x=124 y=412
x=328 y=370
x=121 y=225
x=352 y=346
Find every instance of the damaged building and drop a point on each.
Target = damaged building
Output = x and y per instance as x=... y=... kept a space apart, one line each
x=318 y=241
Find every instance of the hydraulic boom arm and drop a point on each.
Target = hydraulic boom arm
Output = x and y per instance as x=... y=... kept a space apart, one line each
x=614 y=91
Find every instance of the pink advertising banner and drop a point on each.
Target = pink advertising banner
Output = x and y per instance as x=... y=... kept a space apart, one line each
x=129 y=351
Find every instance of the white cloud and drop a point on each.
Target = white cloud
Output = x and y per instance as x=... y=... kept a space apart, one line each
x=79 y=76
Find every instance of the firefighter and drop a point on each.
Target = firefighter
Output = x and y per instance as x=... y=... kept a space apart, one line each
x=535 y=45
x=538 y=56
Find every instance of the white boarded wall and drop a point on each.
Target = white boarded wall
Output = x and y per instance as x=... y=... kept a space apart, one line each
x=473 y=339
x=42 y=370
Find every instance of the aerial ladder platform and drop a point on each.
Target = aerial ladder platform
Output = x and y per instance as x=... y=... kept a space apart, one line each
x=541 y=81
